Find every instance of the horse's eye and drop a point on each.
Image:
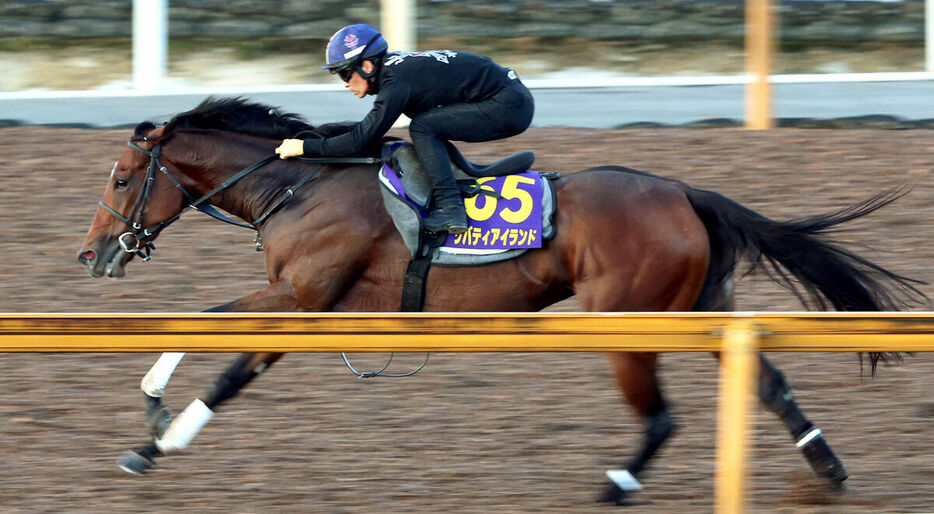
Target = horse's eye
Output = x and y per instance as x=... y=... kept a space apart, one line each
x=120 y=183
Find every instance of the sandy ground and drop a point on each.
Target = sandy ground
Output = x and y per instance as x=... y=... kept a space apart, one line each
x=472 y=432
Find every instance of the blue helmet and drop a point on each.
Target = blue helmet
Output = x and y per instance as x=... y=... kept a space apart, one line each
x=353 y=44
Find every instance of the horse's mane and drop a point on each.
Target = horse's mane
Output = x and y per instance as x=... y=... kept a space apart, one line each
x=236 y=114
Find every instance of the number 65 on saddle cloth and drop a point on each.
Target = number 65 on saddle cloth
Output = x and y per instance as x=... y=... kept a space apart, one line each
x=514 y=218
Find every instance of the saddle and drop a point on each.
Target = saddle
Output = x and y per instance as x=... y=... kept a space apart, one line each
x=406 y=191
x=516 y=163
x=400 y=156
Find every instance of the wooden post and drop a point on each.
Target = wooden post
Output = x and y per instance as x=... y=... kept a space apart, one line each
x=929 y=35
x=758 y=64
x=738 y=370
x=398 y=23
x=150 y=43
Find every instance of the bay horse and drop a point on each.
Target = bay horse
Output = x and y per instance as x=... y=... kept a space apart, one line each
x=625 y=240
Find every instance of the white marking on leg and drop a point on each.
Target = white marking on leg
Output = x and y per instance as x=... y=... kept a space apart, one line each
x=155 y=381
x=624 y=480
x=810 y=436
x=185 y=427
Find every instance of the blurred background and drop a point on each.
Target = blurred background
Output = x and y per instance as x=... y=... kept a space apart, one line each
x=86 y=44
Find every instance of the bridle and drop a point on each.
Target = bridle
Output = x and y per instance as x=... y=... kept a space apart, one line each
x=138 y=240
x=141 y=244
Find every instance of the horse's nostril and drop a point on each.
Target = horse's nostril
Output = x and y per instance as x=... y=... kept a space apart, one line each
x=86 y=256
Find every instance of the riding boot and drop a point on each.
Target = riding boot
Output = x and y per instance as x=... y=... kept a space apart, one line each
x=448 y=213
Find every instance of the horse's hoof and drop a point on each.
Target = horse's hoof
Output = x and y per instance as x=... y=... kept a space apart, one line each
x=836 y=486
x=822 y=459
x=831 y=469
x=134 y=463
x=612 y=494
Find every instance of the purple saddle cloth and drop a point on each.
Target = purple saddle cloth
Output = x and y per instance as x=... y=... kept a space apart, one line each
x=509 y=218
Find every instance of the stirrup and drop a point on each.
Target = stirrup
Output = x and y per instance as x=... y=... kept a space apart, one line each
x=453 y=230
x=456 y=230
x=449 y=224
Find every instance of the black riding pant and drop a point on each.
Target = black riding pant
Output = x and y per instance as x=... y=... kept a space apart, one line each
x=507 y=113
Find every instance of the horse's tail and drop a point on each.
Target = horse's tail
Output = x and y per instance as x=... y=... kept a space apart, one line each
x=798 y=255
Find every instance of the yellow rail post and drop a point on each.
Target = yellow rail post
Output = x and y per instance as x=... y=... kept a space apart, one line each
x=758 y=64
x=739 y=366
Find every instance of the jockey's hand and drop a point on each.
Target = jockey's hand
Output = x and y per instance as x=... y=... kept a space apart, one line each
x=291 y=148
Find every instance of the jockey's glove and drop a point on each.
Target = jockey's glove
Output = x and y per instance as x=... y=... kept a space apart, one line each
x=290 y=148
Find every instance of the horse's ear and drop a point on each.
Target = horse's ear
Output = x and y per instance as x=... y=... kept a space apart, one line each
x=156 y=134
x=142 y=129
x=146 y=131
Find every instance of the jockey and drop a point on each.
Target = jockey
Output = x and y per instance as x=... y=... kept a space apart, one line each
x=448 y=96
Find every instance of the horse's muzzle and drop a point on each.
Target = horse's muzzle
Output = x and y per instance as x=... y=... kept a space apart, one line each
x=86 y=257
x=89 y=259
x=111 y=263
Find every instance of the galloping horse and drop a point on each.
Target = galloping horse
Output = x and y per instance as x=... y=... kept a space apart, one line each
x=624 y=241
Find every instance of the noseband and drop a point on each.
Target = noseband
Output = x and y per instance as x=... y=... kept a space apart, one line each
x=137 y=239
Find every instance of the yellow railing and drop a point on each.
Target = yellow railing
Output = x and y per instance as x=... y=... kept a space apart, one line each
x=739 y=336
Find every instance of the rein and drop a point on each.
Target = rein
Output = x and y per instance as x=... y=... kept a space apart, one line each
x=139 y=240
x=321 y=161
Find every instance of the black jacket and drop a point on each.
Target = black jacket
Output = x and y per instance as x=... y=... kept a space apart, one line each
x=411 y=83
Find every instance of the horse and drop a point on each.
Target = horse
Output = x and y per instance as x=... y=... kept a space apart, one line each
x=332 y=247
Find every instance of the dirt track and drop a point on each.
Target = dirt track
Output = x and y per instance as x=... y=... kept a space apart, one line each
x=472 y=432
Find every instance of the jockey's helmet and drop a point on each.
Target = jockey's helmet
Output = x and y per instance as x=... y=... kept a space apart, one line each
x=353 y=44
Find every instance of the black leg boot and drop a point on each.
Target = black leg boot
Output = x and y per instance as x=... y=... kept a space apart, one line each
x=448 y=213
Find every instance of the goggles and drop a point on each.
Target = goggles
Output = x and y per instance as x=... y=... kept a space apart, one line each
x=345 y=73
